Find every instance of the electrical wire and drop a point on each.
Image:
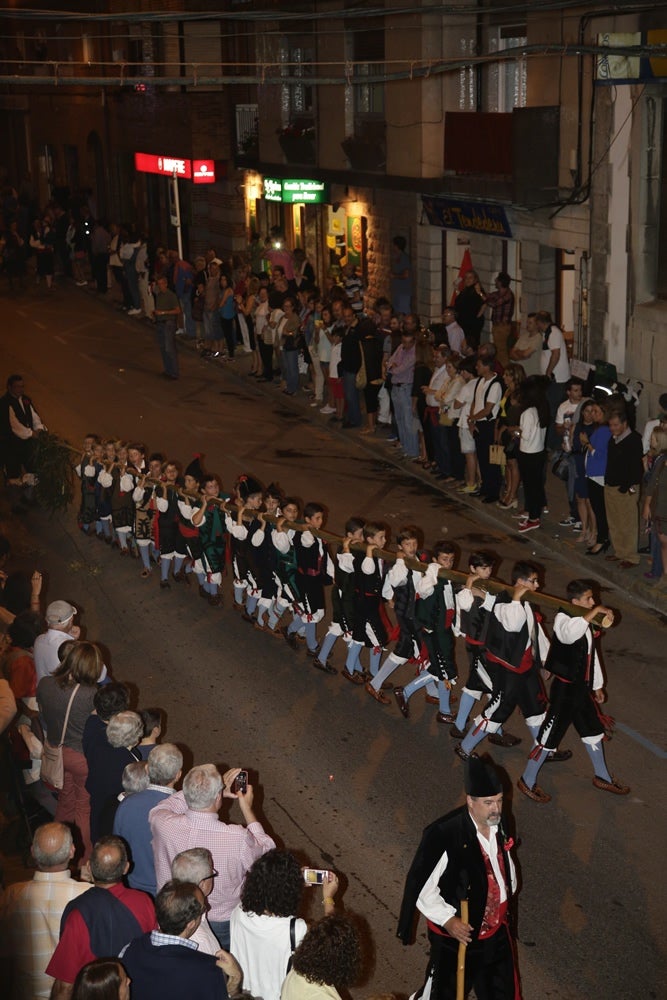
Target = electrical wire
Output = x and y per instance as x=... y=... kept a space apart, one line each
x=266 y=73
x=346 y=13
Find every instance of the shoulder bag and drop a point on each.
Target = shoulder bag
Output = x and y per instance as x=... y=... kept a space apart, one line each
x=52 y=771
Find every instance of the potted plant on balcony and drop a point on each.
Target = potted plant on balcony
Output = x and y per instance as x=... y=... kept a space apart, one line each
x=365 y=152
x=249 y=146
x=297 y=143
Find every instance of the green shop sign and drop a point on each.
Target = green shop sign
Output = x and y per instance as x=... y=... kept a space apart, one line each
x=296 y=191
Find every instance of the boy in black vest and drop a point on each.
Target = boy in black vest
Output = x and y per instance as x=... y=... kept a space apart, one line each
x=473 y=608
x=343 y=604
x=434 y=614
x=515 y=648
x=314 y=570
x=401 y=586
x=577 y=689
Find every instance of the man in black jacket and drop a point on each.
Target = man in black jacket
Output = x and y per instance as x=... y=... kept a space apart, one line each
x=621 y=489
x=465 y=856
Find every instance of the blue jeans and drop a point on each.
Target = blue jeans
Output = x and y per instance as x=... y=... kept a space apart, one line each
x=132 y=279
x=291 y=365
x=352 y=405
x=221 y=930
x=189 y=323
x=401 y=397
x=166 y=339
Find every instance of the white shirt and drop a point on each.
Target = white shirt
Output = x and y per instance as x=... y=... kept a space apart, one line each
x=456 y=337
x=556 y=341
x=46 y=652
x=567 y=415
x=334 y=360
x=438 y=380
x=646 y=436
x=486 y=391
x=19 y=429
x=514 y=615
x=465 y=395
x=261 y=945
x=569 y=628
x=431 y=904
x=532 y=435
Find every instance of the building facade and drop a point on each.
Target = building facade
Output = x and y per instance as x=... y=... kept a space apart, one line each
x=532 y=138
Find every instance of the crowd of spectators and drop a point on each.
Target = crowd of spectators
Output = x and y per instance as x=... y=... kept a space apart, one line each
x=139 y=884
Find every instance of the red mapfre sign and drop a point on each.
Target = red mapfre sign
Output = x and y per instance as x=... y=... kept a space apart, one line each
x=203 y=171
x=146 y=163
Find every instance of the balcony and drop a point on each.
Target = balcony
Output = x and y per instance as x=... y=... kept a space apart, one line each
x=246 y=117
x=513 y=157
x=366 y=150
x=478 y=143
x=297 y=141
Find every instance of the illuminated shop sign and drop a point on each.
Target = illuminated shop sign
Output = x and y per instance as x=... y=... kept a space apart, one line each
x=146 y=163
x=203 y=171
x=296 y=190
x=467 y=216
x=199 y=171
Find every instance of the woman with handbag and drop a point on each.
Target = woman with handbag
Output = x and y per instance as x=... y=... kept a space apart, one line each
x=506 y=427
x=65 y=700
x=449 y=420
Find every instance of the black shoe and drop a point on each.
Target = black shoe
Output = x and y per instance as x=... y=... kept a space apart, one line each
x=247 y=618
x=556 y=756
x=460 y=752
x=402 y=701
x=313 y=653
x=165 y=585
x=291 y=640
x=327 y=667
x=504 y=740
x=599 y=547
x=457 y=734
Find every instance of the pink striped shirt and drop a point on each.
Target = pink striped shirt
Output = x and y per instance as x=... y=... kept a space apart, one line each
x=235 y=848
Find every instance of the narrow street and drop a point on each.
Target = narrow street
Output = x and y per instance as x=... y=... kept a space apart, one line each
x=343 y=781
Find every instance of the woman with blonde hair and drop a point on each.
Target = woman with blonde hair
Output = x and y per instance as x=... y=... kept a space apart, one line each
x=71 y=689
x=654 y=509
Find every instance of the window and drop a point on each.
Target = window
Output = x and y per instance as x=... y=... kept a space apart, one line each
x=467 y=77
x=298 y=98
x=506 y=81
x=368 y=57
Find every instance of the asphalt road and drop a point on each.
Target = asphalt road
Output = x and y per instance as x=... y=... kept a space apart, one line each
x=341 y=780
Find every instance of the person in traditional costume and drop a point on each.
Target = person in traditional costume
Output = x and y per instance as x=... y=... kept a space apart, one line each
x=434 y=614
x=464 y=857
x=577 y=691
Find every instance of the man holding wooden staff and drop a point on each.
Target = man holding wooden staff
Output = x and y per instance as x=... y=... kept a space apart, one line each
x=463 y=864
